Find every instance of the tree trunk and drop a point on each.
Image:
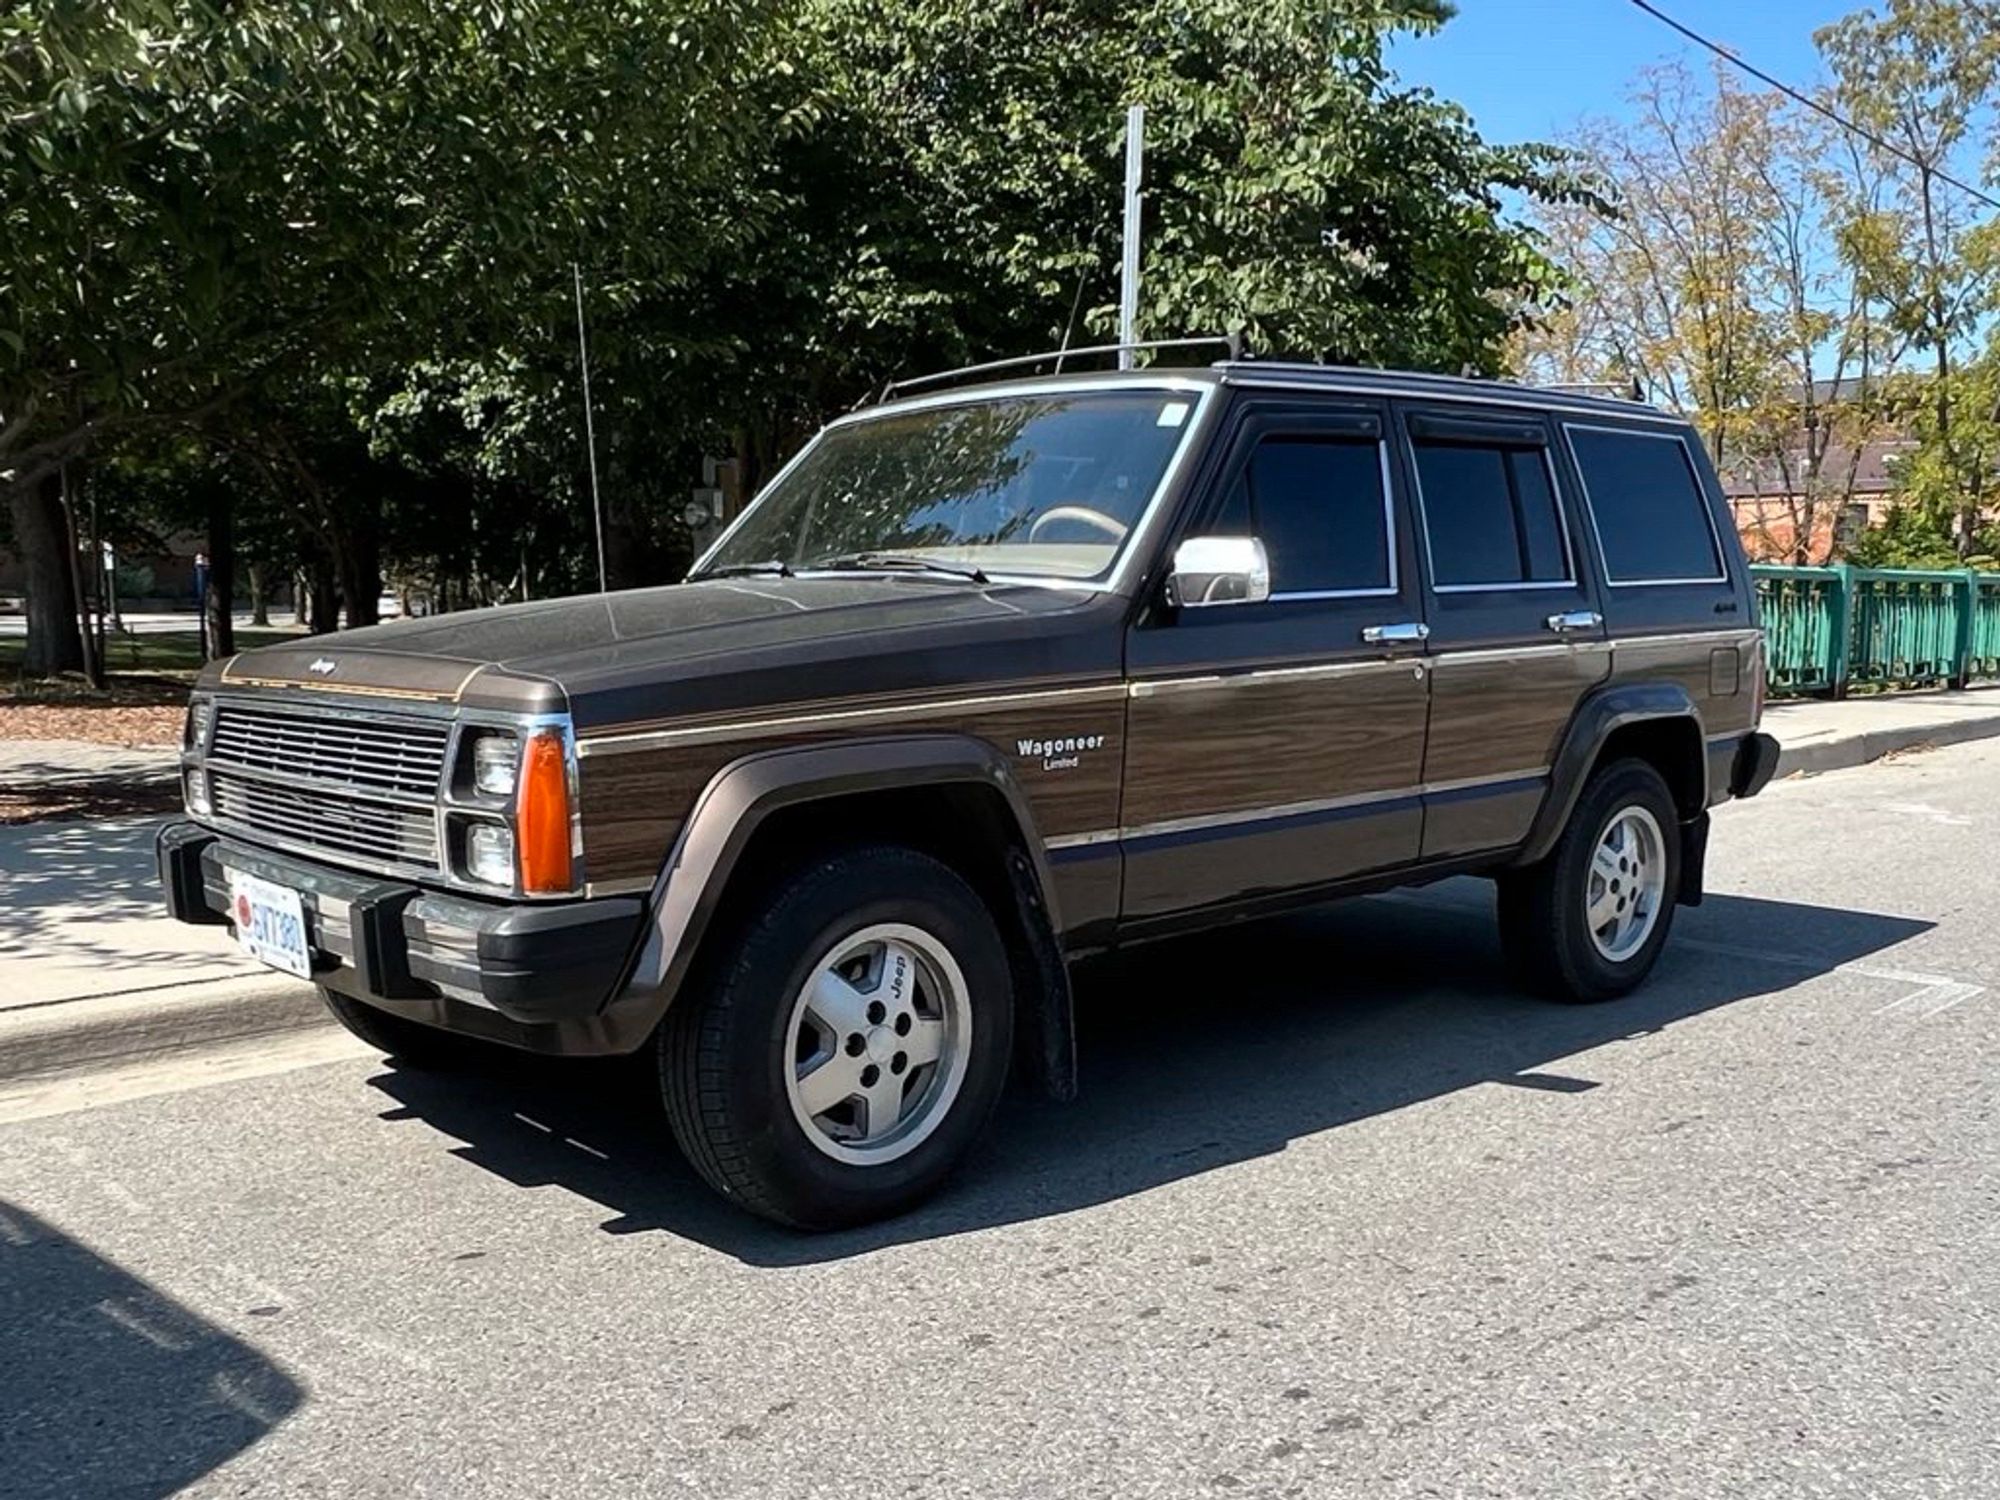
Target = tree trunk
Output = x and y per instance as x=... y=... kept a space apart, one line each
x=260 y=603
x=218 y=600
x=323 y=610
x=358 y=556
x=92 y=634
x=41 y=531
x=301 y=597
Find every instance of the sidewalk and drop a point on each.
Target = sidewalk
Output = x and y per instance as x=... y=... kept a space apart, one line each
x=92 y=970
x=1821 y=735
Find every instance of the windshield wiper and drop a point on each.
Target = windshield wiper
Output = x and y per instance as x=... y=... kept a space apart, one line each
x=776 y=568
x=895 y=560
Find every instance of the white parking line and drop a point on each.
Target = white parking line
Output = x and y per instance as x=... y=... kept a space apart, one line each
x=1941 y=989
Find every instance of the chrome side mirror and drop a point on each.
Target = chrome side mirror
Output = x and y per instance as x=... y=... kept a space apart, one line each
x=1219 y=570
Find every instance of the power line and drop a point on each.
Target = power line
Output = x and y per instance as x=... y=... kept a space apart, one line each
x=1811 y=103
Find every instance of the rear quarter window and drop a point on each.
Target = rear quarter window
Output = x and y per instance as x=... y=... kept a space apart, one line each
x=1646 y=502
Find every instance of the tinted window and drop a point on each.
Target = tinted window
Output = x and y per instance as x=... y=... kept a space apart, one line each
x=1652 y=518
x=1491 y=515
x=1316 y=504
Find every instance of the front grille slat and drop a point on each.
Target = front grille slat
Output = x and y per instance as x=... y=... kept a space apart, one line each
x=331 y=784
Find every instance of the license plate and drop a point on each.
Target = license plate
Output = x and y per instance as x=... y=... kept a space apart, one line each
x=270 y=923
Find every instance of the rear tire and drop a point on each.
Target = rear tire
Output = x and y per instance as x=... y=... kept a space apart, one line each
x=410 y=1044
x=835 y=1057
x=1587 y=922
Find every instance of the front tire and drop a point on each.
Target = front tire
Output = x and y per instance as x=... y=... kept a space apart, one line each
x=1588 y=921
x=840 y=1053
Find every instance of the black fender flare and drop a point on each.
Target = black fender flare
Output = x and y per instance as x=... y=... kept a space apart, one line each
x=1604 y=711
x=742 y=796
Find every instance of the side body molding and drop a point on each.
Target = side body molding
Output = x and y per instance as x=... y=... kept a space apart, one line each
x=744 y=794
x=1601 y=714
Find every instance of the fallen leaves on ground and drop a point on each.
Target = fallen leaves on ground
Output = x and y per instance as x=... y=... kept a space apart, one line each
x=132 y=711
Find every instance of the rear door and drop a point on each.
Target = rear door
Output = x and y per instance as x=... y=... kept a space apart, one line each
x=1279 y=745
x=1517 y=635
x=1677 y=594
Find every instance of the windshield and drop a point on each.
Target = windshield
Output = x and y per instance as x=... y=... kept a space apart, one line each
x=1035 y=486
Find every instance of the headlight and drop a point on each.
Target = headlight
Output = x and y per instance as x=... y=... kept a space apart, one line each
x=197 y=792
x=200 y=719
x=489 y=854
x=496 y=761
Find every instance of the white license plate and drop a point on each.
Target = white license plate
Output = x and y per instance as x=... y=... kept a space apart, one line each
x=270 y=923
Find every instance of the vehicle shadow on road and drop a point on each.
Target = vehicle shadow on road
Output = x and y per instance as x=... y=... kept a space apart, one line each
x=108 y=1387
x=1195 y=1053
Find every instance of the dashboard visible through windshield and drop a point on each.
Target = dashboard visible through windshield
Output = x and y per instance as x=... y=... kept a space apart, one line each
x=1032 y=486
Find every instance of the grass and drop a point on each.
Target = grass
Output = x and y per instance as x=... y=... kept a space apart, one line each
x=168 y=651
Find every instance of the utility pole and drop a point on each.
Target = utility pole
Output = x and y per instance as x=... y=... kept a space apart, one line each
x=1128 y=274
x=589 y=427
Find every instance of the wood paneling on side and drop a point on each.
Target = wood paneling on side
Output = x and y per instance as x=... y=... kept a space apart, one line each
x=633 y=803
x=1491 y=715
x=1255 y=742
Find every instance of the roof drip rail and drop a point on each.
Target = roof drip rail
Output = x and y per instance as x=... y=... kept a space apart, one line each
x=1233 y=344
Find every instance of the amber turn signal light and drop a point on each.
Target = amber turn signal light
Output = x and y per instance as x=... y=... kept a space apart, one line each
x=541 y=821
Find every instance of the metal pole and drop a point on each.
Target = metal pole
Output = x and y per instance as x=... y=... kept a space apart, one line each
x=1128 y=275
x=589 y=427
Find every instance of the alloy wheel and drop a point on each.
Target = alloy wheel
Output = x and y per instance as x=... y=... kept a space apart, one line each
x=879 y=1040
x=1627 y=884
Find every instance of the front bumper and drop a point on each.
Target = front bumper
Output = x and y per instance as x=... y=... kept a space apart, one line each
x=536 y=976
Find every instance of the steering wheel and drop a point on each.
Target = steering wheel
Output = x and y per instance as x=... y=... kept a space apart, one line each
x=1111 y=525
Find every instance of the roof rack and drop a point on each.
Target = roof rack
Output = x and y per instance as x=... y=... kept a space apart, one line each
x=1610 y=390
x=1232 y=343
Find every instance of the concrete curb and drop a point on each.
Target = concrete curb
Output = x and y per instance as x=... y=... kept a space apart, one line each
x=68 y=1036
x=1858 y=749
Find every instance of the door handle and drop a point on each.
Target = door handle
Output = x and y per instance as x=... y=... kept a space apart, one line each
x=1409 y=633
x=1574 y=620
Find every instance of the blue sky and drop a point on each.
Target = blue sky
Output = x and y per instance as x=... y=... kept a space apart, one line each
x=1528 y=68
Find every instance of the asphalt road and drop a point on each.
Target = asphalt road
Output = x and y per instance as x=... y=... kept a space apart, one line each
x=1338 y=1215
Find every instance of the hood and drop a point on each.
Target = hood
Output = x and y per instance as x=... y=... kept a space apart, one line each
x=617 y=655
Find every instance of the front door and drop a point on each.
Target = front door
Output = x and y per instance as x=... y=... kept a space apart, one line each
x=1516 y=632
x=1278 y=745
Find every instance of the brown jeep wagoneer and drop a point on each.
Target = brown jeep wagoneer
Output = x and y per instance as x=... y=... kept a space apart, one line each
x=989 y=677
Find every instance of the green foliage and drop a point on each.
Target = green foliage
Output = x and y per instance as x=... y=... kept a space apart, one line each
x=333 y=241
x=194 y=201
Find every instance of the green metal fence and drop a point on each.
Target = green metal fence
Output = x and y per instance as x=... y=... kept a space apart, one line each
x=1832 y=629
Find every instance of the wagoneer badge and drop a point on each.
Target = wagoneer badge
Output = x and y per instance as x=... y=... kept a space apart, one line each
x=322 y=667
x=1063 y=754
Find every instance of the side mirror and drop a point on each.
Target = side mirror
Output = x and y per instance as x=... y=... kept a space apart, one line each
x=1219 y=570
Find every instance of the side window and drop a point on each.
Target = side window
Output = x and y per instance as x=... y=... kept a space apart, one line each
x=1317 y=504
x=1490 y=515
x=1652 y=518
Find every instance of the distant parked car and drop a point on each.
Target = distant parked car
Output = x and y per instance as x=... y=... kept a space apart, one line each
x=990 y=677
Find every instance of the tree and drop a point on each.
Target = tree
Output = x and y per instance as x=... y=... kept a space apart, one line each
x=197 y=203
x=1758 y=275
x=937 y=182
x=1921 y=78
x=1667 y=282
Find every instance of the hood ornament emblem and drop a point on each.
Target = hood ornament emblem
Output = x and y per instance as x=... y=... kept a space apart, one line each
x=323 y=667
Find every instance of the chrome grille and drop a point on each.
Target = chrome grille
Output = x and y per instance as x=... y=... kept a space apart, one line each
x=361 y=789
x=378 y=755
x=380 y=833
